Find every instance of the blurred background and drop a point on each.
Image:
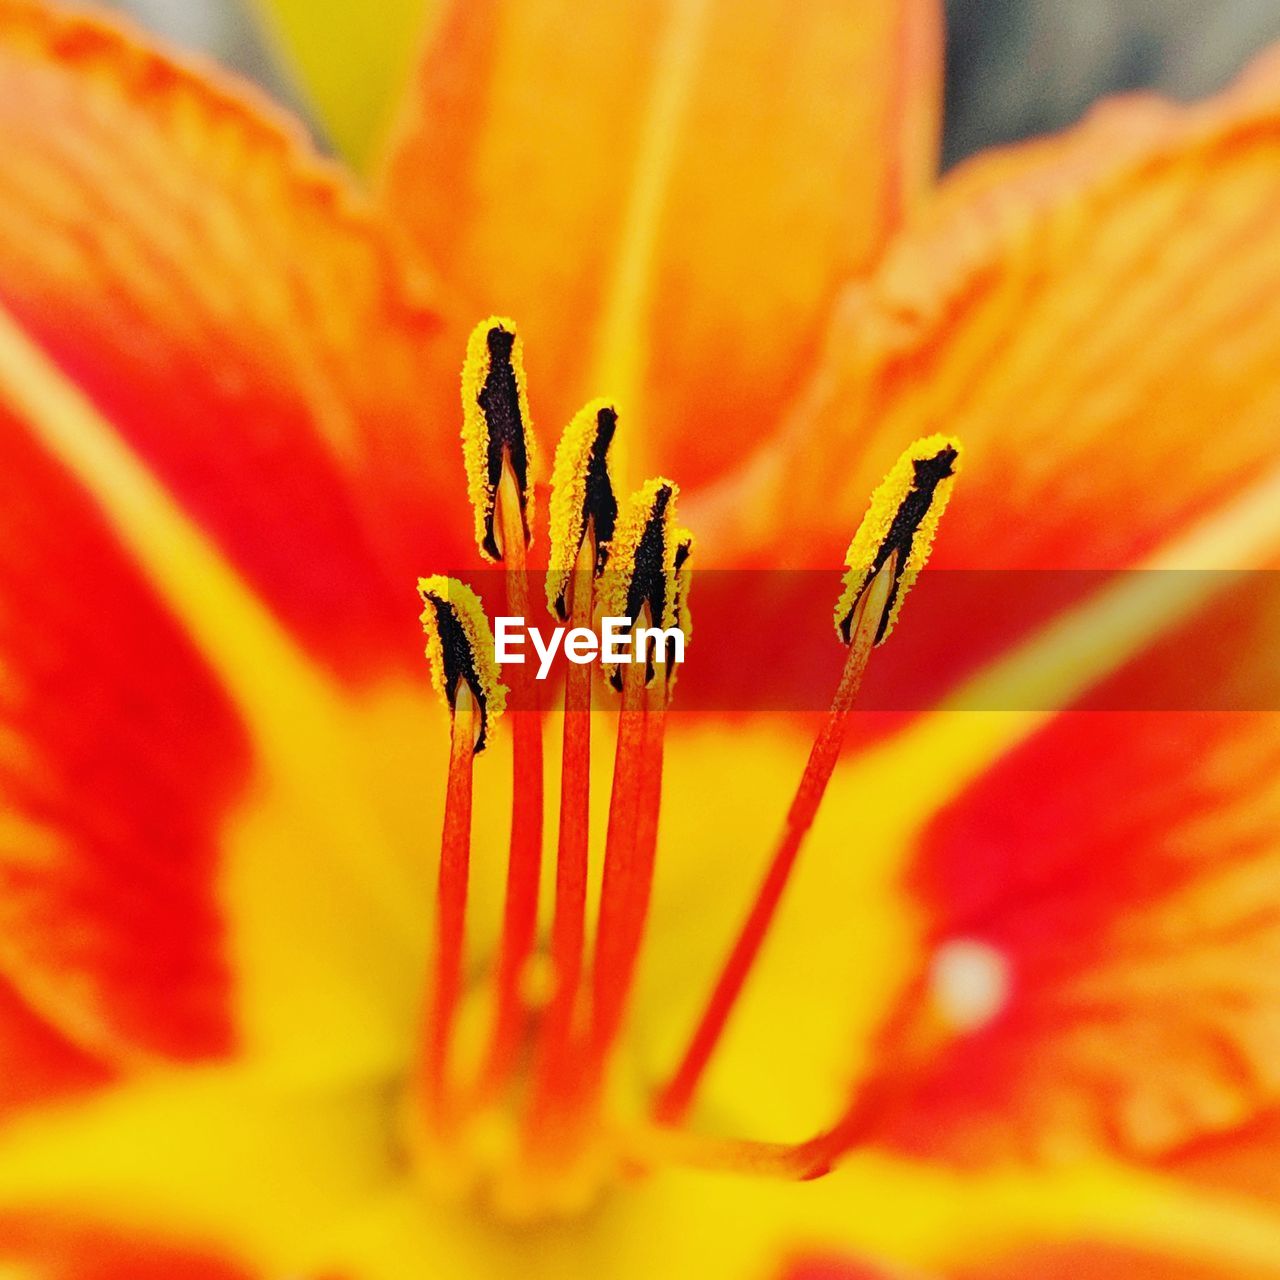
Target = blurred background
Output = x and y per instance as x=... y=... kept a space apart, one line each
x=1015 y=67
x=1022 y=67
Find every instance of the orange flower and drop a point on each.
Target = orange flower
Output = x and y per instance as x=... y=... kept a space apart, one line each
x=1015 y=1002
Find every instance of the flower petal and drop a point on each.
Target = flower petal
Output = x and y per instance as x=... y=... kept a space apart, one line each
x=226 y=303
x=1085 y=313
x=190 y=1152
x=832 y=1267
x=1082 y=1261
x=916 y=1224
x=51 y=1248
x=1242 y=1160
x=666 y=196
x=119 y=752
x=1087 y=1261
x=210 y=430
x=259 y=1166
x=1102 y=926
x=38 y=1062
x=849 y=939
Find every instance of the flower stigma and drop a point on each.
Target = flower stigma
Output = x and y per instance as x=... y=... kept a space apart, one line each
x=532 y=1123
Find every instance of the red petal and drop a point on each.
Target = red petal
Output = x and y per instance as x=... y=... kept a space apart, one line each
x=239 y=322
x=57 y=1249
x=227 y=303
x=831 y=1267
x=1078 y=1261
x=119 y=757
x=38 y=1062
x=1122 y=875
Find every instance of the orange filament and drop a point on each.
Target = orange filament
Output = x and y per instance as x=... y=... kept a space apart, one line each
x=674 y=1100
x=451 y=906
x=561 y=1107
x=520 y=920
x=560 y=1132
x=569 y=920
x=630 y=849
x=794 y=1162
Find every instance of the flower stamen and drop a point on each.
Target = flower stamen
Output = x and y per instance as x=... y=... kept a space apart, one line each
x=520 y=918
x=584 y=514
x=884 y=558
x=499 y=452
x=460 y=653
x=496 y=437
x=901 y=521
x=584 y=508
x=629 y=850
x=647 y=583
x=451 y=908
x=530 y=1127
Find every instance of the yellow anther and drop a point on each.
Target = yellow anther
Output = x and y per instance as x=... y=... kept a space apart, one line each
x=582 y=498
x=902 y=518
x=496 y=430
x=460 y=648
x=642 y=557
x=647 y=580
